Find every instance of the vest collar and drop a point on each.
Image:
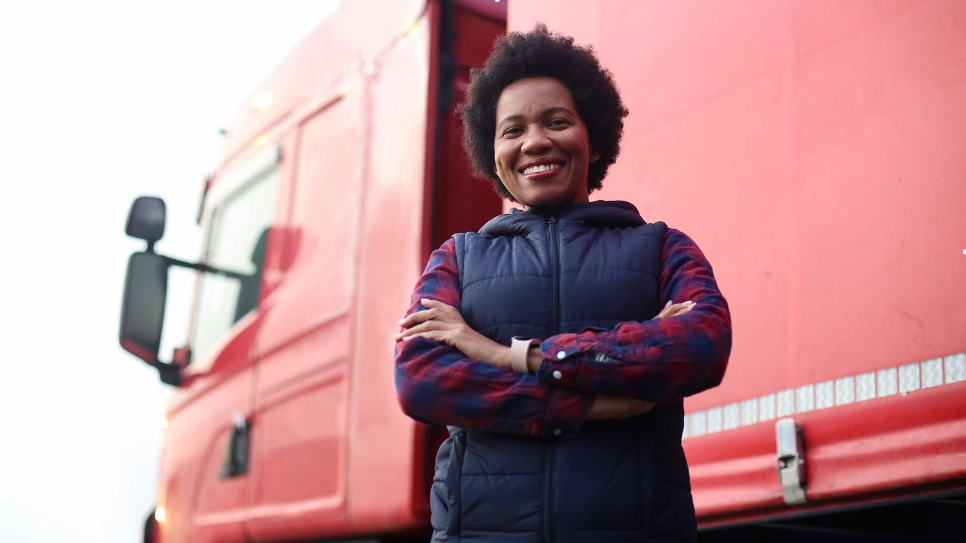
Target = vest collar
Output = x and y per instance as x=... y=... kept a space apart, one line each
x=602 y=213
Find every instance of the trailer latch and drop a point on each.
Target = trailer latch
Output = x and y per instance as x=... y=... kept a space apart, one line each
x=791 y=461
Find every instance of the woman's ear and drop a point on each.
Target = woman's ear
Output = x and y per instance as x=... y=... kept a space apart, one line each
x=594 y=157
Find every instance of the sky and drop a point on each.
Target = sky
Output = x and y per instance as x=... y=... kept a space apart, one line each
x=101 y=102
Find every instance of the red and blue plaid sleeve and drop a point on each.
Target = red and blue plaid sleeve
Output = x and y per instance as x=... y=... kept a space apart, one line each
x=436 y=383
x=657 y=360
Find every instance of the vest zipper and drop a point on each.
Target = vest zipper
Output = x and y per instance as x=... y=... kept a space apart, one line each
x=554 y=330
x=554 y=277
x=548 y=494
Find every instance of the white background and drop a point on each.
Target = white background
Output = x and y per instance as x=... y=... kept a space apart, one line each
x=101 y=102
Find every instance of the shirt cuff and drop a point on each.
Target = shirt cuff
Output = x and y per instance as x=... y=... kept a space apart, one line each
x=561 y=360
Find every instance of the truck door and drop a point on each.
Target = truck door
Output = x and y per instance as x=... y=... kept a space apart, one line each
x=204 y=495
x=303 y=374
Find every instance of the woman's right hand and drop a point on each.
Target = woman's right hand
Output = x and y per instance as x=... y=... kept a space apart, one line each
x=605 y=406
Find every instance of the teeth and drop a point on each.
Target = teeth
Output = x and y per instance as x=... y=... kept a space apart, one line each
x=540 y=168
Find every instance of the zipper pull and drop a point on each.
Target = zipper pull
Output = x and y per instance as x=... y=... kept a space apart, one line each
x=552 y=220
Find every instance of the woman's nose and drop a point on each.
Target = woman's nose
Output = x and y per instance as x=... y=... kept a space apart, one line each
x=536 y=141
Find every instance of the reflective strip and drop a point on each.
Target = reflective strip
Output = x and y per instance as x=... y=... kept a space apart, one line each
x=749 y=412
x=956 y=368
x=886 y=382
x=824 y=395
x=828 y=394
x=932 y=373
x=732 y=416
x=865 y=386
x=766 y=407
x=844 y=391
x=714 y=420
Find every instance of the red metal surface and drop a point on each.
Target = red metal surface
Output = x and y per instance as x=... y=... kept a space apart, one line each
x=199 y=505
x=462 y=202
x=321 y=341
x=389 y=259
x=485 y=8
x=304 y=347
x=892 y=447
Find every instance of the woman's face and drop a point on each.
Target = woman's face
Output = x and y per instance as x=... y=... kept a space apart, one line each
x=541 y=146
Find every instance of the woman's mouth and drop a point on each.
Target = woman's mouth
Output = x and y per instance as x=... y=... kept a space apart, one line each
x=540 y=168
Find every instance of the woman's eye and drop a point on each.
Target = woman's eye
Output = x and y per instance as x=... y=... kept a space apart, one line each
x=557 y=122
x=512 y=131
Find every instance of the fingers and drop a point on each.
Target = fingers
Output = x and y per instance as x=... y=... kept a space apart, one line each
x=439 y=336
x=416 y=318
x=435 y=310
x=673 y=310
x=443 y=308
x=421 y=329
x=687 y=306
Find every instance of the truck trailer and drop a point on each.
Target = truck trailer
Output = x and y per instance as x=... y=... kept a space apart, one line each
x=816 y=151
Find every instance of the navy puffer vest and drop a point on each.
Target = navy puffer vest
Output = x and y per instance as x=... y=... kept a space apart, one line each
x=537 y=274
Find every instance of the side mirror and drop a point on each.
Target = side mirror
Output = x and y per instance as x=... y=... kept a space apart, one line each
x=146 y=220
x=142 y=310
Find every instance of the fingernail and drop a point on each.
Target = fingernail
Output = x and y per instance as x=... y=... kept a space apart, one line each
x=668 y=304
x=689 y=302
x=424 y=300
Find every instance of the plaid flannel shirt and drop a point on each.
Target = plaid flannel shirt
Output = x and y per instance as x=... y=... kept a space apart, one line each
x=660 y=360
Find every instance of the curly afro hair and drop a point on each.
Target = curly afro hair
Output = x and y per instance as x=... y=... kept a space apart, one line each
x=541 y=53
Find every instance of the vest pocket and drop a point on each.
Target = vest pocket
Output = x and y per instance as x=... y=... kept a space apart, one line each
x=440 y=504
x=444 y=495
x=598 y=483
x=672 y=510
x=501 y=486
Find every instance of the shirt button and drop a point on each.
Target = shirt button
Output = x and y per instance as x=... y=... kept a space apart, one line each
x=557 y=375
x=557 y=432
x=561 y=355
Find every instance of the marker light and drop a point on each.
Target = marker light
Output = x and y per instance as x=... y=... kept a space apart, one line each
x=262 y=101
x=159 y=514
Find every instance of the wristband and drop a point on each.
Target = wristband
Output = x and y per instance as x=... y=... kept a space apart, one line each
x=519 y=348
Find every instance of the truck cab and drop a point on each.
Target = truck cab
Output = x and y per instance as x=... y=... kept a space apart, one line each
x=335 y=184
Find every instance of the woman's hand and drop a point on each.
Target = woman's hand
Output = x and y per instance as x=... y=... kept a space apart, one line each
x=673 y=310
x=443 y=323
x=605 y=406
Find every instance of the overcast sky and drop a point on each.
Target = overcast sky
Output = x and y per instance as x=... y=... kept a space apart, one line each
x=101 y=102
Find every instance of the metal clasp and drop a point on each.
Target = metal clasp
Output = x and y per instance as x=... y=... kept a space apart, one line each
x=791 y=461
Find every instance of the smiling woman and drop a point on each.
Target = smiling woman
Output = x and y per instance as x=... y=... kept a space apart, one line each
x=559 y=342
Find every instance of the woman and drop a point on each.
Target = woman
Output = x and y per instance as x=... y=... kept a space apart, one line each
x=557 y=343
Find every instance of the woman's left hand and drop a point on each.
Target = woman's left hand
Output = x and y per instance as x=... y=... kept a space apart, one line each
x=443 y=323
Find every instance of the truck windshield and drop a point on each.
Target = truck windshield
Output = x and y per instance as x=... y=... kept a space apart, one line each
x=237 y=236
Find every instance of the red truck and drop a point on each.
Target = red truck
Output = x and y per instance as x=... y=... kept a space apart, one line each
x=815 y=151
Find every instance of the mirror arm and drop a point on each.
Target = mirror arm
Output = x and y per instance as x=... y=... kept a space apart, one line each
x=206 y=268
